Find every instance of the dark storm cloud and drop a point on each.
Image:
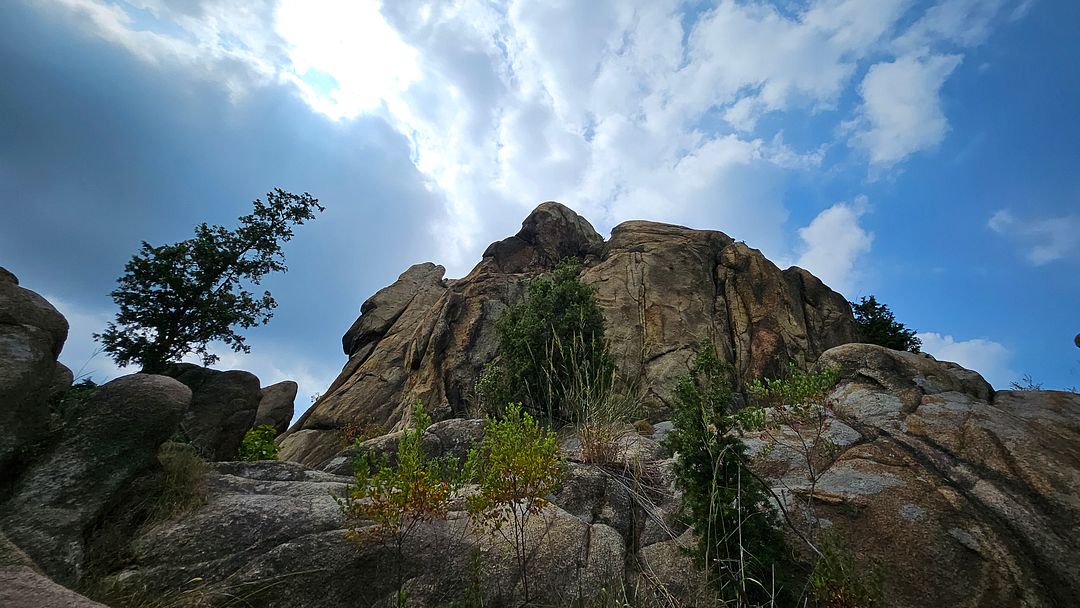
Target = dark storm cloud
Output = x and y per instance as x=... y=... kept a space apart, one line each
x=99 y=151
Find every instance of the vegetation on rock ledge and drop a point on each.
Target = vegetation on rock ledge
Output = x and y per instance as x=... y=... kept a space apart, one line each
x=547 y=345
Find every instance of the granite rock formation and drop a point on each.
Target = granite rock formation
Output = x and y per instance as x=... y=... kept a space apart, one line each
x=662 y=289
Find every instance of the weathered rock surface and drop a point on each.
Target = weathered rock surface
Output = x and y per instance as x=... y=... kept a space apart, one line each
x=24 y=588
x=223 y=408
x=32 y=333
x=62 y=494
x=662 y=290
x=962 y=496
x=273 y=530
x=276 y=405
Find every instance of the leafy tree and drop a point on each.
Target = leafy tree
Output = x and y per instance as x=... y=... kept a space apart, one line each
x=548 y=343
x=739 y=540
x=398 y=499
x=516 y=466
x=175 y=299
x=877 y=325
x=258 y=444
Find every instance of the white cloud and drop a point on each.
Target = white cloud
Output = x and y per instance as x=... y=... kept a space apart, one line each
x=901 y=111
x=349 y=42
x=219 y=40
x=1044 y=239
x=622 y=109
x=1022 y=9
x=989 y=358
x=834 y=243
x=963 y=23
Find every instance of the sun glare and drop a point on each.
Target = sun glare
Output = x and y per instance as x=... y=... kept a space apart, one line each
x=345 y=58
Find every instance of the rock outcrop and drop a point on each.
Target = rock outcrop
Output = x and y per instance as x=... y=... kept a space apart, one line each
x=662 y=290
x=63 y=493
x=957 y=495
x=960 y=496
x=32 y=333
x=223 y=408
x=276 y=405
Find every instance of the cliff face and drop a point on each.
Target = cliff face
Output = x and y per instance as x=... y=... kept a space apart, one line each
x=662 y=289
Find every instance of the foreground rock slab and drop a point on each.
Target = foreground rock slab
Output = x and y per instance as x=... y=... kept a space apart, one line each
x=272 y=533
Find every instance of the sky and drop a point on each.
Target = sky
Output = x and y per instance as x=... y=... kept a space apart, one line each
x=924 y=152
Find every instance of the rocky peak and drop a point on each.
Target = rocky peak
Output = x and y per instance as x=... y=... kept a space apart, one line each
x=662 y=289
x=552 y=232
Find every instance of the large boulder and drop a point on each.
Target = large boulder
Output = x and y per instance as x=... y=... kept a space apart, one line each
x=223 y=408
x=662 y=289
x=960 y=496
x=276 y=405
x=32 y=333
x=62 y=494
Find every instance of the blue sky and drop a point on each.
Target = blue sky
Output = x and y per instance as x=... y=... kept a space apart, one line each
x=925 y=152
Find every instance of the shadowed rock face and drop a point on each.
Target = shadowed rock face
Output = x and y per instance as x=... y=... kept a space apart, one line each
x=272 y=533
x=66 y=491
x=662 y=289
x=32 y=333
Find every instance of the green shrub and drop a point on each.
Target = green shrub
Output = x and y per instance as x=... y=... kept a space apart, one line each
x=798 y=404
x=258 y=444
x=515 y=467
x=396 y=500
x=739 y=540
x=798 y=389
x=547 y=344
x=69 y=404
x=837 y=582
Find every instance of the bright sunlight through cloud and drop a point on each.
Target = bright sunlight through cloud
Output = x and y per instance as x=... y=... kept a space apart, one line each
x=345 y=57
